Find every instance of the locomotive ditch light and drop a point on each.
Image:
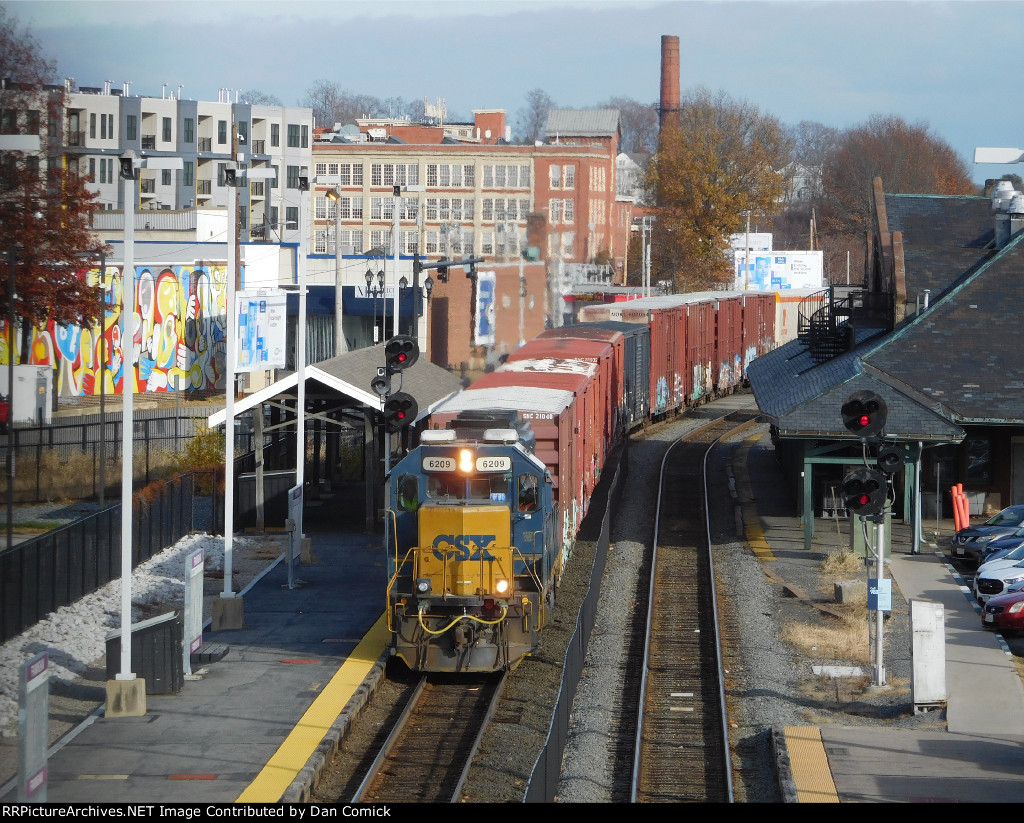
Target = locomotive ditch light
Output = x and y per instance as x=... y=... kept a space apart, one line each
x=423 y=586
x=501 y=586
x=466 y=461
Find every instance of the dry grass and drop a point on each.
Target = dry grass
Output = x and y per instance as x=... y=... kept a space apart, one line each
x=845 y=639
x=842 y=564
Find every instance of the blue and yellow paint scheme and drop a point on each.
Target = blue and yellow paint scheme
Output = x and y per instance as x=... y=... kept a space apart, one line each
x=472 y=548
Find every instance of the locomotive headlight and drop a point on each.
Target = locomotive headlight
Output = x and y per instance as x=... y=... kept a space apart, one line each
x=466 y=461
x=423 y=586
x=501 y=586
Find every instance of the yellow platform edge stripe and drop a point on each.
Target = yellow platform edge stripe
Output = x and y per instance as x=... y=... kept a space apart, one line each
x=292 y=755
x=751 y=521
x=809 y=764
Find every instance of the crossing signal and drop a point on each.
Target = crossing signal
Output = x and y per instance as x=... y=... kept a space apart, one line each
x=400 y=353
x=399 y=411
x=864 y=491
x=864 y=414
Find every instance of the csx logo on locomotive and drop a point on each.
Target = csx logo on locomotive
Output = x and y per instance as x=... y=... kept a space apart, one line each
x=464 y=546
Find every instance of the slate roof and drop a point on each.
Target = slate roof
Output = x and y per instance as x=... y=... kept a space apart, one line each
x=563 y=123
x=965 y=352
x=957 y=363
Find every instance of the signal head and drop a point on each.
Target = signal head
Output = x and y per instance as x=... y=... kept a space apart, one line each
x=864 y=414
x=864 y=491
x=399 y=411
x=400 y=353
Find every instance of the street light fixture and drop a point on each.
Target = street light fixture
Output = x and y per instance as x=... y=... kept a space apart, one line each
x=376 y=292
x=340 y=345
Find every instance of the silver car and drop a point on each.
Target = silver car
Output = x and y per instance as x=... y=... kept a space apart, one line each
x=970 y=542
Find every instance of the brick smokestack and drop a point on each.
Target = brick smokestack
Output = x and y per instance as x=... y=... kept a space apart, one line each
x=669 y=77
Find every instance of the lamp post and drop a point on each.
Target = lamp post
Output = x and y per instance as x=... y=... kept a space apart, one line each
x=340 y=345
x=428 y=288
x=375 y=292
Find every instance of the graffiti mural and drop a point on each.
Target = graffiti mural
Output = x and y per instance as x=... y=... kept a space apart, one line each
x=179 y=343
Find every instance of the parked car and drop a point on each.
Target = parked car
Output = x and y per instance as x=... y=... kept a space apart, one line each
x=1005 y=611
x=969 y=542
x=1002 y=547
x=995 y=581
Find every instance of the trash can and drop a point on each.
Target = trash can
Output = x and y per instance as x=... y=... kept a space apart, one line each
x=156 y=653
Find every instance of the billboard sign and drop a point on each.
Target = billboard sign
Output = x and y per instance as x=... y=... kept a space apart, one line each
x=780 y=270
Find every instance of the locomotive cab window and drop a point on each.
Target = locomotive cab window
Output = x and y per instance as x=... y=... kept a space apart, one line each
x=408 y=492
x=528 y=492
x=491 y=488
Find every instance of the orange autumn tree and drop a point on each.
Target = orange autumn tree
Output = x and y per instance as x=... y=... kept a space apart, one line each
x=716 y=159
x=45 y=206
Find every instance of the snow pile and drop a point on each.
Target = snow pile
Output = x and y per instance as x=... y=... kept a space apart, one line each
x=75 y=636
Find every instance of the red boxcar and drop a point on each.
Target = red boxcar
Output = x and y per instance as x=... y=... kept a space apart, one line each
x=664 y=316
x=566 y=376
x=758 y=326
x=608 y=375
x=554 y=418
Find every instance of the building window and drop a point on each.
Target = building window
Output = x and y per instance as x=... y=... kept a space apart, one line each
x=165 y=177
x=92 y=169
x=222 y=132
x=291 y=217
x=569 y=177
x=275 y=134
x=131 y=127
x=293 y=177
x=555 y=212
x=103 y=170
x=556 y=177
x=305 y=137
x=92 y=125
x=320 y=242
x=293 y=136
x=524 y=177
x=188 y=173
x=469 y=176
x=166 y=130
x=243 y=133
x=190 y=130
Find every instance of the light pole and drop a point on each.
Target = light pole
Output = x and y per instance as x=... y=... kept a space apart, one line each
x=746 y=251
x=340 y=344
x=375 y=292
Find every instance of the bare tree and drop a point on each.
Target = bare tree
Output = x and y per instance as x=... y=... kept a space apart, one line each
x=533 y=117
x=638 y=123
x=255 y=97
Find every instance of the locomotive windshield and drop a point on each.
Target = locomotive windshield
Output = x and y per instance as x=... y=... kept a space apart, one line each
x=491 y=487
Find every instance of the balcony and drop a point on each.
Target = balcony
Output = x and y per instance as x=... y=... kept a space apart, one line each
x=149 y=141
x=205 y=144
x=827 y=320
x=259 y=146
x=147 y=186
x=204 y=187
x=76 y=138
x=256 y=188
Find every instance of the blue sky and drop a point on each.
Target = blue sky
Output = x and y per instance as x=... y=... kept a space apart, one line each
x=952 y=65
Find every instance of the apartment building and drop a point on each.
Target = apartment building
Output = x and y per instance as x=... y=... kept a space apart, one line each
x=103 y=123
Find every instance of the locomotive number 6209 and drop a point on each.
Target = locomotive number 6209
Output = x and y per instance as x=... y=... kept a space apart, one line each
x=438 y=464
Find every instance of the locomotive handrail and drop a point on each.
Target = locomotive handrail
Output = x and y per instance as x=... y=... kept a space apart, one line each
x=394 y=578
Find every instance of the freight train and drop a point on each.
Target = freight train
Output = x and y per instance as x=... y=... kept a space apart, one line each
x=485 y=509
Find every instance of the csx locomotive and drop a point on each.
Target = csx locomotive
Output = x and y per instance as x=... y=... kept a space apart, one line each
x=473 y=557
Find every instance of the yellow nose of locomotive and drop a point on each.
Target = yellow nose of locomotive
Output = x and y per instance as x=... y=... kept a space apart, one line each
x=465 y=551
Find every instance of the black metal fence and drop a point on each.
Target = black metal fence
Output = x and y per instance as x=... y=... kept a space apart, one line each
x=61 y=566
x=87 y=442
x=543 y=785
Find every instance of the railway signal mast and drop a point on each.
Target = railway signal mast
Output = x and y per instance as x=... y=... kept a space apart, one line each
x=865 y=491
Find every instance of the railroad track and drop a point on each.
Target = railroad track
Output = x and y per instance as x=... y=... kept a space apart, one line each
x=427 y=755
x=681 y=750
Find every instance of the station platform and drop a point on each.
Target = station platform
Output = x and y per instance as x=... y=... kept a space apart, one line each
x=247 y=727
x=980 y=755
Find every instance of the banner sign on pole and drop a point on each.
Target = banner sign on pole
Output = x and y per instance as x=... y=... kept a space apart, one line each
x=33 y=728
x=260 y=330
x=194 y=565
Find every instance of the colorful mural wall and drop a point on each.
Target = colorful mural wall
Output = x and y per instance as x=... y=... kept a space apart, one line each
x=179 y=340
